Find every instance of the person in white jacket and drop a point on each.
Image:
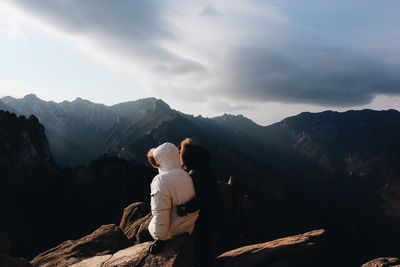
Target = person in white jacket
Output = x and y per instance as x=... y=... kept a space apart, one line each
x=171 y=187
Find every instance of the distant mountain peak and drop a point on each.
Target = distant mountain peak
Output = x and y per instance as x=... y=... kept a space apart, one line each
x=153 y=100
x=150 y=104
x=78 y=99
x=8 y=99
x=227 y=115
x=160 y=102
x=81 y=100
x=31 y=97
x=235 y=119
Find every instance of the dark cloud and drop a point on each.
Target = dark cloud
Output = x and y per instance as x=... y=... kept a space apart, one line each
x=136 y=20
x=325 y=75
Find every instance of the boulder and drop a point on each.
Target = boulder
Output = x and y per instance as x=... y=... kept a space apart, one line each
x=263 y=254
x=383 y=262
x=177 y=252
x=8 y=261
x=135 y=221
x=105 y=240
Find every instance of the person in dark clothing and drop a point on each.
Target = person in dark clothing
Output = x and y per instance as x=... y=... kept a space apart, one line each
x=196 y=161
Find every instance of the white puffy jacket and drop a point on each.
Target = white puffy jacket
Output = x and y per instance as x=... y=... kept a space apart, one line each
x=171 y=187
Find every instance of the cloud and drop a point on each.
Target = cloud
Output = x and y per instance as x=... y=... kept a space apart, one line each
x=131 y=31
x=330 y=76
x=250 y=50
x=130 y=20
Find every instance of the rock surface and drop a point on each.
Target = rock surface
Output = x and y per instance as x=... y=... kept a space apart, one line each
x=176 y=253
x=109 y=246
x=267 y=253
x=134 y=222
x=383 y=262
x=105 y=240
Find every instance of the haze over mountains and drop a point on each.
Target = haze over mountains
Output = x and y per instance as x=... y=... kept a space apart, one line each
x=339 y=171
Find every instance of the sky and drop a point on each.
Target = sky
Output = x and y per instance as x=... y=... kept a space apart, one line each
x=264 y=59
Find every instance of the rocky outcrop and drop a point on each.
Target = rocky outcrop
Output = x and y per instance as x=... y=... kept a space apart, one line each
x=134 y=222
x=383 y=262
x=24 y=155
x=270 y=252
x=176 y=253
x=106 y=248
x=23 y=148
x=106 y=240
x=111 y=245
x=26 y=170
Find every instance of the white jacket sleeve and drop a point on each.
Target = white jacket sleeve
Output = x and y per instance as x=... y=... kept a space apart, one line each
x=161 y=206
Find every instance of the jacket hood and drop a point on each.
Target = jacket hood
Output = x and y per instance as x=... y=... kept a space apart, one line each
x=193 y=156
x=167 y=157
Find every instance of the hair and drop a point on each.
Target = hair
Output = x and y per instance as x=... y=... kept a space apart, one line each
x=192 y=155
x=183 y=148
x=151 y=159
x=186 y=141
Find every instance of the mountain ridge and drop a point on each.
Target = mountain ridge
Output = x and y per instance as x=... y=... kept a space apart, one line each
x=94 y=129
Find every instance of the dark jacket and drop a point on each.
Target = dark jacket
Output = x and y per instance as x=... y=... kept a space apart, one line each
x=196 y=161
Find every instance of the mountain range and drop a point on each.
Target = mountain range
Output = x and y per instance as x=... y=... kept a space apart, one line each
x=80 y=130
x=332 y=170
x=361 y=145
